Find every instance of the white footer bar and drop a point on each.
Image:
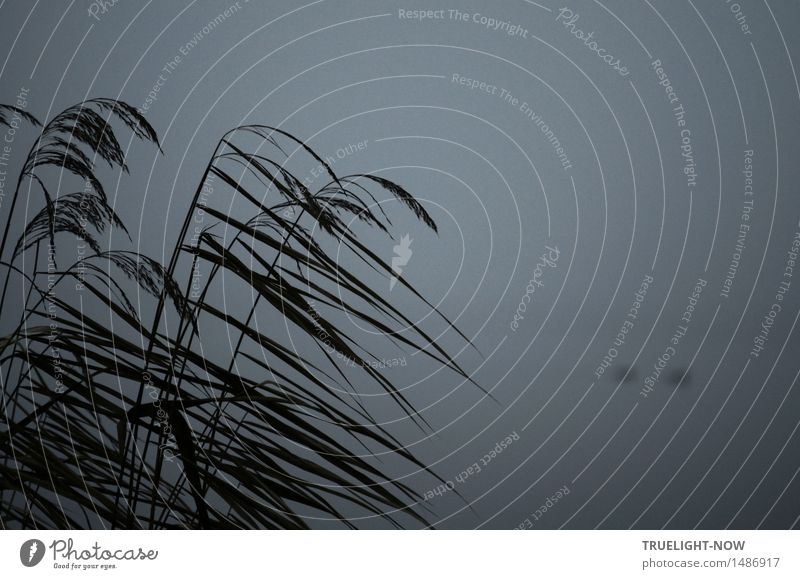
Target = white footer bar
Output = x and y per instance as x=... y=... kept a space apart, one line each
x=378 y=554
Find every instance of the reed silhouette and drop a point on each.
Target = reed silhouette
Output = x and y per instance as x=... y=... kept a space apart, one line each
x=131 y=399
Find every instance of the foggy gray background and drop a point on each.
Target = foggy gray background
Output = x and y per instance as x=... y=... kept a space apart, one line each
x=715 y=443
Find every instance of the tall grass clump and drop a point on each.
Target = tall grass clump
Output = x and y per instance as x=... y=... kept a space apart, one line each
x=221 y=388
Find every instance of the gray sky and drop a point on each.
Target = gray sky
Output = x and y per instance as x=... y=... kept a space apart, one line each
x=525 y=137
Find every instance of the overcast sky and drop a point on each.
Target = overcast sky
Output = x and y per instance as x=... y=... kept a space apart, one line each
x=597 y=171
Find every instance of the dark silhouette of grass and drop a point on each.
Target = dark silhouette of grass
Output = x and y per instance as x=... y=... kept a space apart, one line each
x=127 y=419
